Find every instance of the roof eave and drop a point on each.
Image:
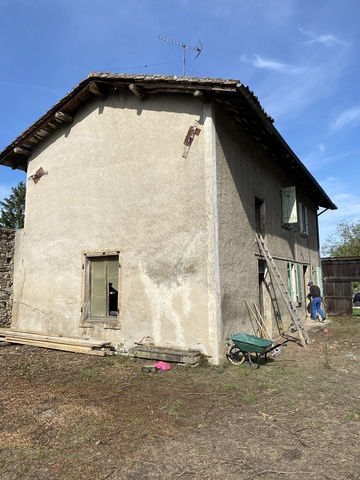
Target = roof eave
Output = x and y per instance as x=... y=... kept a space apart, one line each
x=96 y=85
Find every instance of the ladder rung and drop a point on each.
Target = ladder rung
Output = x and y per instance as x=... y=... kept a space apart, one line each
x=284 y=293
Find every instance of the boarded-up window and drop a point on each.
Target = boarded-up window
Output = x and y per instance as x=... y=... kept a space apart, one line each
x=288 y=204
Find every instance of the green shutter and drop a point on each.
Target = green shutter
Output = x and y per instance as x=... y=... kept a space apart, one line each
x=288 y=202
x=292 y=286
x=319 y=278
x=299 y=285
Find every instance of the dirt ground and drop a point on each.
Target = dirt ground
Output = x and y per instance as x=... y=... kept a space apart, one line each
x=74 y=416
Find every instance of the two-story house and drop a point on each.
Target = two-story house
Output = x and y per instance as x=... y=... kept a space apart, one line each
x=144 y=195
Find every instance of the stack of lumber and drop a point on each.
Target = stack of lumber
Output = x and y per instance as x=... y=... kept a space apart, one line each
x=76 y=345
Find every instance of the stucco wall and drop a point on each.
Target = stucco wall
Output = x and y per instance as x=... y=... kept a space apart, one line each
x=244 y=172
x=6 y=275
x=116 y=180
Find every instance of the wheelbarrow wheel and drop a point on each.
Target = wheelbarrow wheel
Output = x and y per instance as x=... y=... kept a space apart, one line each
x=235 y=355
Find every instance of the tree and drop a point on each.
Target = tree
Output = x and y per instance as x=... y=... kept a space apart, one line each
x=12 y=208
x=345 y=242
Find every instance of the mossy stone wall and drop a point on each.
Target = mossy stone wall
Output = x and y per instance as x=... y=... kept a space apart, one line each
x=7 y=241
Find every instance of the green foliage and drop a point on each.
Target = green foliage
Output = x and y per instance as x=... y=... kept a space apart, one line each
x=12 y=208
x=352 y=417
x=327 y=361
x=250 y=397
x=89 y=374
x=345 y=242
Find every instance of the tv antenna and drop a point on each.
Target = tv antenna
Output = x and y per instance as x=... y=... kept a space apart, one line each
x=197 y=49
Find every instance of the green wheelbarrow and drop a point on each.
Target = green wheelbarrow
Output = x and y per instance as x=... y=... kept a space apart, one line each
x=243 y=345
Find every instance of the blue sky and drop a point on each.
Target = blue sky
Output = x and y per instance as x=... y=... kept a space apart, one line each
x=300 y=57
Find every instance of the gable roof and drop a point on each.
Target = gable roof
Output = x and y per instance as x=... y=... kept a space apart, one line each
x=236 y=99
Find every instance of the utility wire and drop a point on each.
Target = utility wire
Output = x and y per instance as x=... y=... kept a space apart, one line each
x=143 y=66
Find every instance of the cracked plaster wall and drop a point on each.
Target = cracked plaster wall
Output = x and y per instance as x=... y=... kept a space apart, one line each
x=118 y=181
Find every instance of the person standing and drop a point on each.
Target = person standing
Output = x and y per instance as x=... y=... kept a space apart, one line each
x=315 y=297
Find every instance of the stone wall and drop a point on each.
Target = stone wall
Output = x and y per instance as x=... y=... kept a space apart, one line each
x=7 y=238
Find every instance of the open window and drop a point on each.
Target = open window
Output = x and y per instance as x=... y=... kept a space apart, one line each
x=102 y=280
x=303 y=219
x=295 y=283
x=317 y=276
x=260 y=216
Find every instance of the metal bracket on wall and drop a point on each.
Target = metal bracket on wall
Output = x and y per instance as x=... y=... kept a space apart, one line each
x=193 y=130
x=39 y=173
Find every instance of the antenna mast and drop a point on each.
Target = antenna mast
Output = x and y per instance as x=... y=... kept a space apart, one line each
x=198 y=49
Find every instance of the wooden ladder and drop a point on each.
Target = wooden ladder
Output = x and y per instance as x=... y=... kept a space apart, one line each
x=275 y=275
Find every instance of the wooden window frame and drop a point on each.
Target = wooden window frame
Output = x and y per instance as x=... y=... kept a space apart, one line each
x=295 y=283
x=107 y=320
x=303 y=219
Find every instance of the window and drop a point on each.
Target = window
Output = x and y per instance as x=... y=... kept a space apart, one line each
x=102 y=287
x=288 y=204
x=260 y=216
x=295 y=282
x=317 y=276
x=303 y=219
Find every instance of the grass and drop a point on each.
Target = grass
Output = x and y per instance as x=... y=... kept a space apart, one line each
x=344 y=327
x=25 y=370
x=352 y=417
x=105 y=409
x=90 y=374
x=175 y=408
x=250 y=397
x=326 y=361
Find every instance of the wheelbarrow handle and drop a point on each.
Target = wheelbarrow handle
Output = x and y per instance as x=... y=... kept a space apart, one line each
x=280 y=344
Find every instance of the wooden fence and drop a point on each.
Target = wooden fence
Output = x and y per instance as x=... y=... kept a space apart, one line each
x=338 y=274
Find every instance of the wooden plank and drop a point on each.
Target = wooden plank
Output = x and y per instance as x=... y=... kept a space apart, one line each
x=63 y=117
x=22 y=151
x=53 y=339
x=57 y=346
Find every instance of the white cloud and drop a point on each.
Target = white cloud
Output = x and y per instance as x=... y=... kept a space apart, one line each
x=347 y=118
x=264 y=63
x=305 y=78
x=297 y=86
x=326 y=40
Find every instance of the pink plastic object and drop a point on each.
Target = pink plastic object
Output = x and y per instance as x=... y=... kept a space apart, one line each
x=162 y=366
